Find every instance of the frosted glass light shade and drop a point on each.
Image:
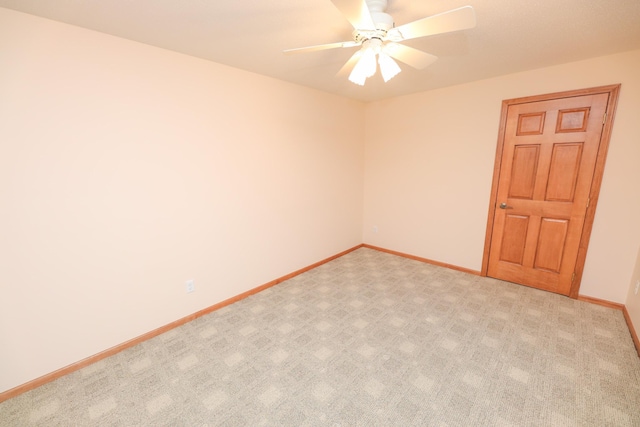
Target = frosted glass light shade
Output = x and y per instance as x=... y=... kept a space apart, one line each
x=388 y=67
x=365 y=67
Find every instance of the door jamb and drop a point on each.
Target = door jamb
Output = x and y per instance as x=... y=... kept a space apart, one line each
x=594 y=192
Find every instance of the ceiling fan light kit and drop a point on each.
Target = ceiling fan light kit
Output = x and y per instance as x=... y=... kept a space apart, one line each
x=376 y=33
x=366 y=65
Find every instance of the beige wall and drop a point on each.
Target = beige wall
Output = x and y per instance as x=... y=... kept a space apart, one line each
x=126 y=170
x=429 y=162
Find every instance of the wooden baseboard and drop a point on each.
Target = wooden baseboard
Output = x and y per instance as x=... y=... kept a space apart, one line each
x=425 y=260
x=601 y=302
x=632 y=331
x=617 y=306
x=125 y=345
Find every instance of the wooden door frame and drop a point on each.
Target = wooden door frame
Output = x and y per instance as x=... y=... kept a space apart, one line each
x=594 y=192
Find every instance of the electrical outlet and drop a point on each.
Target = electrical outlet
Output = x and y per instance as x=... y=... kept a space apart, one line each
x=190 y=286
x=637 y=287
x=375 y=228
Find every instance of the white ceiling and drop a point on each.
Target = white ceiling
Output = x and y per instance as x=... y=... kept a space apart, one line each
x=511 y=35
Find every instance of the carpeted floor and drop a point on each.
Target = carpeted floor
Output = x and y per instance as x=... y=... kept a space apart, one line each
x=369 y=339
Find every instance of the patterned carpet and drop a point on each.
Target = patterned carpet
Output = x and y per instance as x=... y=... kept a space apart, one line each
x=369 y=339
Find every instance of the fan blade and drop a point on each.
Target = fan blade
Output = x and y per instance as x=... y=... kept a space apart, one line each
x=348 y=66
x=320 y=47
x=410 y=56
x=453 y=20
x=357 y=13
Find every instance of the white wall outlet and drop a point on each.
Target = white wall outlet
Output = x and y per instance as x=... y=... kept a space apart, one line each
x=190 y=286
x=637 y=287
x=375 y=228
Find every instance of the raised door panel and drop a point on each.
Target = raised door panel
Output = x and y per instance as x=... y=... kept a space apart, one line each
x=523 y=171
x=531 y=123
x=573 y=120
x=551 y=243
x=512 y=249
x=563 y=172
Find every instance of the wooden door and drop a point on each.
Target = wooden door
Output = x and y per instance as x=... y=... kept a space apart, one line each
x=552 y=154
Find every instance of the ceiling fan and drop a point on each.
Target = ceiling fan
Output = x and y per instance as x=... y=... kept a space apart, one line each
x=376 y=33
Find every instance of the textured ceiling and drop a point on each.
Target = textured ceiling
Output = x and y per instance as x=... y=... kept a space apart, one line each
x=511 y=35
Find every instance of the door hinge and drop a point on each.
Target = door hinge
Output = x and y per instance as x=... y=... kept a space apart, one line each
x=588 y=201
x=573 y=276
x=604 y=118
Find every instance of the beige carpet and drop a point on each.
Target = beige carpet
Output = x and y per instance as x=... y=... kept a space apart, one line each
x=369 y=339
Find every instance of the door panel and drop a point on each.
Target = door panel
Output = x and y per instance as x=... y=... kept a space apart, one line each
x=523 y=172
x=563 y=172
x=575 y=120
x=515 y=227
x=530 y=124
x=550 y=246
x=548 y=159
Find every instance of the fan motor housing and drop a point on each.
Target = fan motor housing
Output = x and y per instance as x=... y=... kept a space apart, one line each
x=360 y=36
